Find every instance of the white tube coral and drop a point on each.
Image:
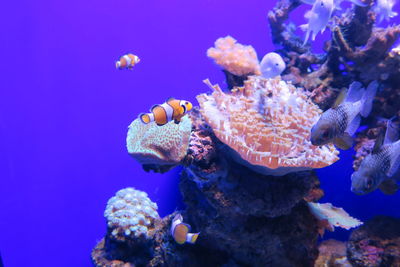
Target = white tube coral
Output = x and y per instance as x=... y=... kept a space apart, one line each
x=130 y=214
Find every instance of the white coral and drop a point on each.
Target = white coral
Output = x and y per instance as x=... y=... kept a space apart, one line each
x=130 y=213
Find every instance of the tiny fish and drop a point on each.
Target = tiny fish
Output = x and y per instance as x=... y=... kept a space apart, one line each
x=272 y=65
x=127 y=61
x=172 y=109
x=384 y=9
x=379 y=169
x=339 y=123
x=318 y=18
x=180 y=231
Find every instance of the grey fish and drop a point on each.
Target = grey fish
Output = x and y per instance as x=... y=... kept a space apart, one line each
x=380 y=168
x=339 y=123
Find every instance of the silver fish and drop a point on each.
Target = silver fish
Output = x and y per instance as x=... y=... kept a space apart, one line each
x=379 y=168
x=318 y=18
x=339 y=123
x=384 y=10
x=272 y=65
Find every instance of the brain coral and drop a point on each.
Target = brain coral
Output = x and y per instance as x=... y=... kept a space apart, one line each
x=267 y=122
x=159 y=145
x=236 y=58
x=130 y=214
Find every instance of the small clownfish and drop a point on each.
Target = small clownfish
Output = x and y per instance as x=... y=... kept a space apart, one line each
x=127 y=61
x=172 y=109
x=180 y=231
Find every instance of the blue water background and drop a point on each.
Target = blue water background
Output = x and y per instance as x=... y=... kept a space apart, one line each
x=64 y=112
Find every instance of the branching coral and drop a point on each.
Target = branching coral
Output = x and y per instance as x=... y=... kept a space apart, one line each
x=268 y=124
x=236 y=58
x=156 y=145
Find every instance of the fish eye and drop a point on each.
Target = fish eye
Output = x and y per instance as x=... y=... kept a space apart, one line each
x=325 y=134
x=369 y=184
x=276 y=64
x=322 y=3
x=186 y=103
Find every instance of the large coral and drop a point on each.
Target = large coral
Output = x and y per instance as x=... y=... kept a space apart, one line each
x=153 y=145
x=376 y=243
x=332 y=253
x=236 y=58
x=130 y=214
x=268 y=124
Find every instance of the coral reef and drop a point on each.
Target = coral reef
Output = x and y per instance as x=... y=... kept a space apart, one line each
x=357 y=51
x=248 y=180
x=267 y=122
x=376 y=243
x=332 y=253
x=158 y=148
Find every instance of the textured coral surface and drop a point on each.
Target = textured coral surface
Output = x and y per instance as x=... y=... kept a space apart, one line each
x=332 y=253
x=130 y=213
x=236 y=58
x=376 y=243
x=268 y=124
x=150 y=144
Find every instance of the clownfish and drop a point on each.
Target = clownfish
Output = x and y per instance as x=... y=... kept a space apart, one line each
x=172 y=109
x=180 y=231
x=127 y=61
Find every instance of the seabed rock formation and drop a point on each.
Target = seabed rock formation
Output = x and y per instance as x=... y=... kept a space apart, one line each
x=249 y=216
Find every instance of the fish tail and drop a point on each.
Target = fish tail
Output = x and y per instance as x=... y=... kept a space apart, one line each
x=117 y=64
x=192 y=238
x=368 y=98
x=146 y=118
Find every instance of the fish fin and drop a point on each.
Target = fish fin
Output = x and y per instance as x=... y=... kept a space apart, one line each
x=344 y=142
x=389 y=187
x=392 y=132
x=353 y=126
x=358 y=3
x=153 y=107
x=304 y=27
x=192 y=237
x=178 y=217
x=169 y=99
x=354 y=93
x=188 y=226
x=314 y=34
x=394 y=164
x=368 y=98
x=340 y=98
x=308 y=14
x=378 y=143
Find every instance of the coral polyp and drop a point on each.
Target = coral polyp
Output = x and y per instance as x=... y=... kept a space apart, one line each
x=268 y=123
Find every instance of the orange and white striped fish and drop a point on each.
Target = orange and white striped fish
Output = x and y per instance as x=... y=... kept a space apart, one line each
x=180 y=231
x=127 y=61
x=172 y=109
